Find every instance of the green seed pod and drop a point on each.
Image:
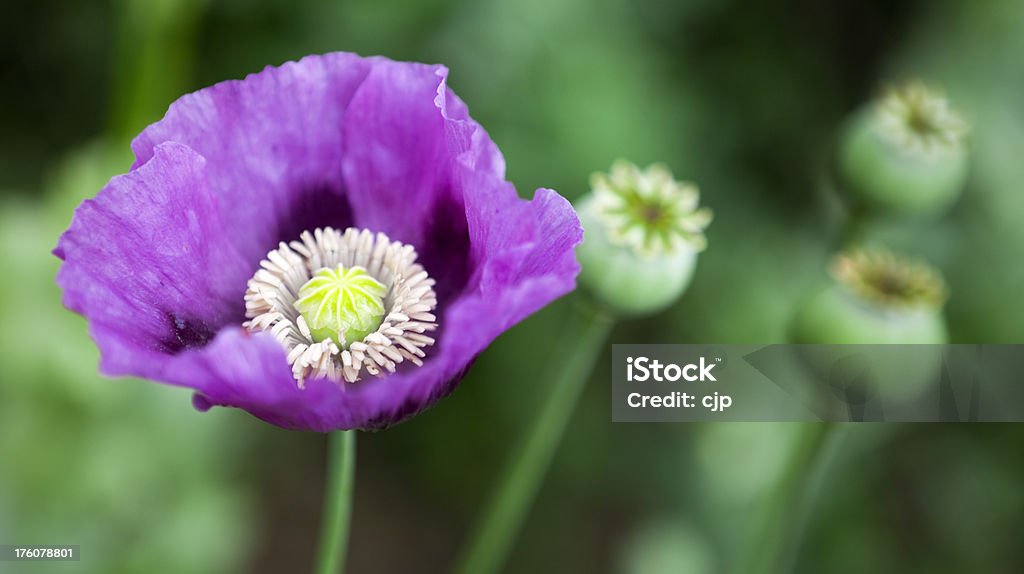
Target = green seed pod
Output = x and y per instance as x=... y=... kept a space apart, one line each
x=342 y=304
x=876 y=298
x=642 y=233
x=905 y=153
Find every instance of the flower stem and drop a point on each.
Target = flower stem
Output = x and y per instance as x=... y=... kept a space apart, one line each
x=776 y=541
x=855 y=228
x=584 y=332
x=154 y=53
x=341 y=465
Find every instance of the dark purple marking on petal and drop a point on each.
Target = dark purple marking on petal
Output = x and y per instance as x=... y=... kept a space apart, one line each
x=186 y=334
x=324 y=205
x=445 y=252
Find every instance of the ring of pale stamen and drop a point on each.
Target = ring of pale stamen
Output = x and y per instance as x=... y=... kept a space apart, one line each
x=402 y=335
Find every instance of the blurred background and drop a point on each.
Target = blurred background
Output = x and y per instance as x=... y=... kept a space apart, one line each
x=744 y=98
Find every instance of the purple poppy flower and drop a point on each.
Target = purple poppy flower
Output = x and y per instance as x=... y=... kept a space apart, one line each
x=188 y=268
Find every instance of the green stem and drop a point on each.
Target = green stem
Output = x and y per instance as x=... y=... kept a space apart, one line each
x=855 y=227
x=341 y=466
x=584 y=334
x=776 y=540
x=154 y=56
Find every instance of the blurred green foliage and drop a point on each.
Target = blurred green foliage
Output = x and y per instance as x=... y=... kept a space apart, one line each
x=110 y=465
x=743 y=98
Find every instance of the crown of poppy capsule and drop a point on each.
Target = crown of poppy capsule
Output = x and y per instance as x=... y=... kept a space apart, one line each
x=344 y=304
x=919 y=119
x=648 y=210
x=889 y=280
x=875 y=297
x=643 y=232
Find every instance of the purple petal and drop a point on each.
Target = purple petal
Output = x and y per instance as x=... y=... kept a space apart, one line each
x=400 y=149
x=148 y=263
x=273 y=143
x=405 y=134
